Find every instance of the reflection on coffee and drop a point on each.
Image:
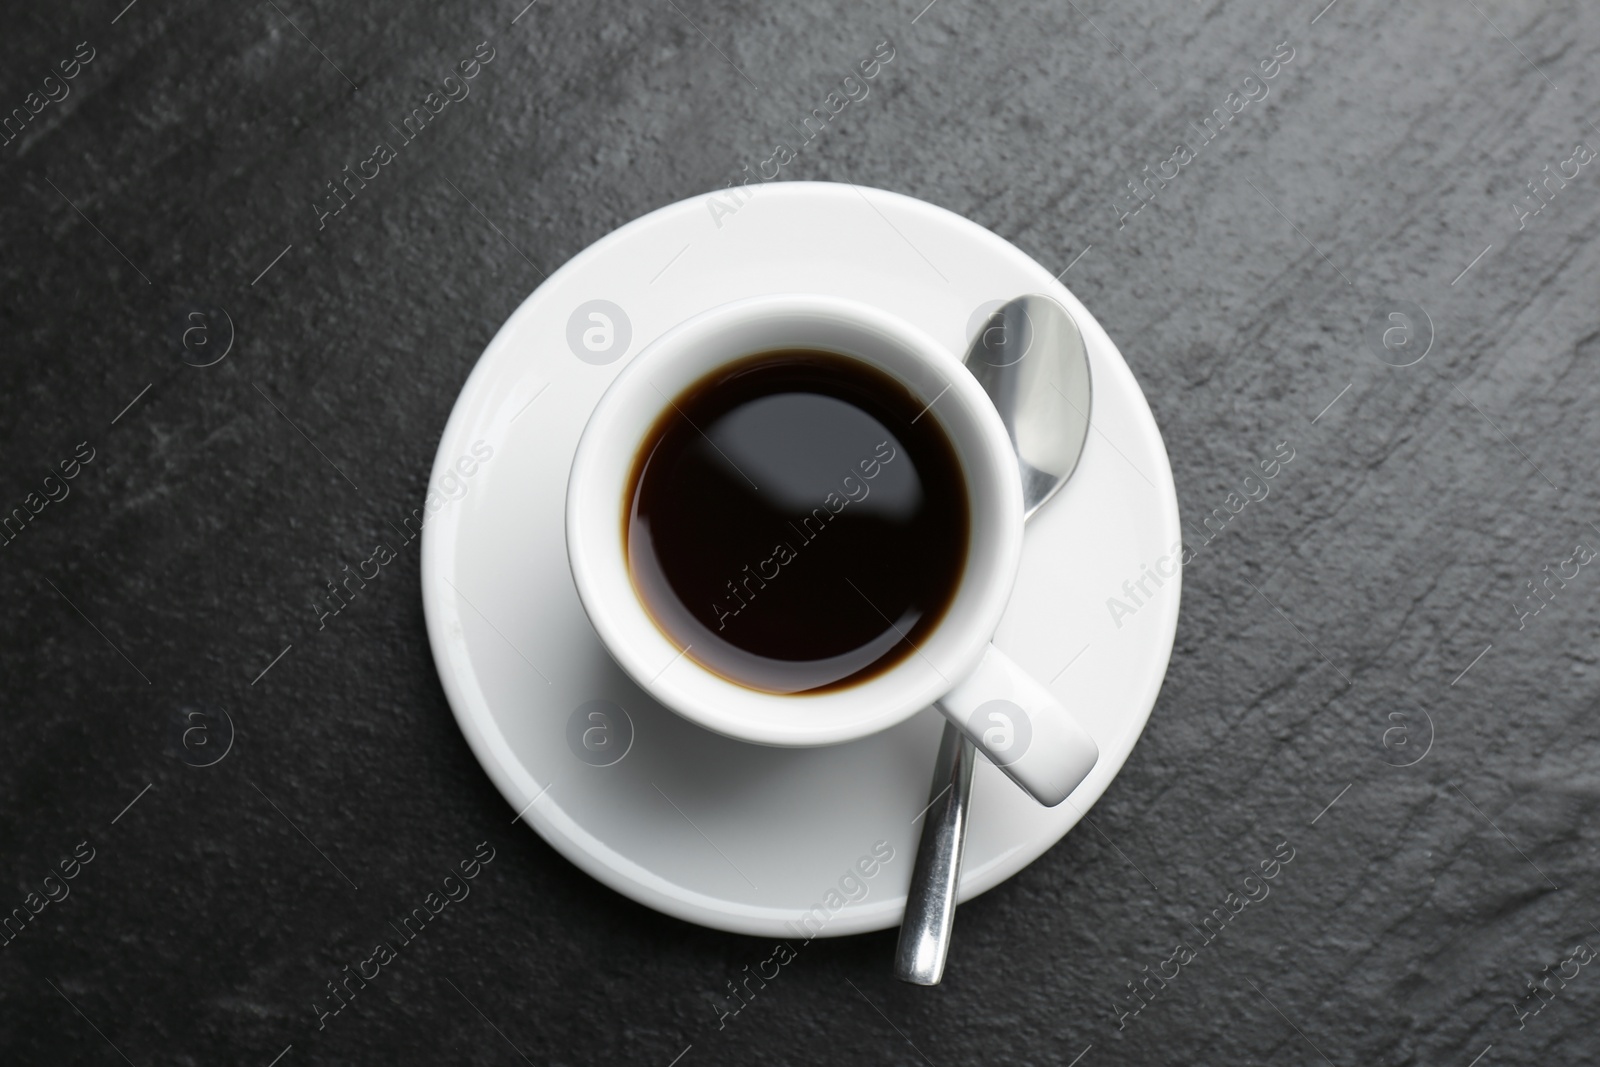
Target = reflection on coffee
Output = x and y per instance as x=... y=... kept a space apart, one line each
x=797 y=520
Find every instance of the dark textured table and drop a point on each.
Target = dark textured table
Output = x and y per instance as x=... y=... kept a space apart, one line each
x=1364 y=232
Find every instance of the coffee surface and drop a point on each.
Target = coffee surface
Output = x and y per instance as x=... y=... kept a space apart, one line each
x=797 y=520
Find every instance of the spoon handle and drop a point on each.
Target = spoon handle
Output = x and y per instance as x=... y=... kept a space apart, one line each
x=931 y=900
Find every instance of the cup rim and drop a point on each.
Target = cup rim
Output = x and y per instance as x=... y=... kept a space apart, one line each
x=594 y=522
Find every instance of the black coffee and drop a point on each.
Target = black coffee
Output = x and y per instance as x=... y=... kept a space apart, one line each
x=798 y=519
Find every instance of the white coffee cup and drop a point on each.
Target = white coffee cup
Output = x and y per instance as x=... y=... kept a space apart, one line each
x=1005 y=712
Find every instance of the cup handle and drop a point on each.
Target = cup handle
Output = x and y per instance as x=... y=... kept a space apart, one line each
x=1023 y=730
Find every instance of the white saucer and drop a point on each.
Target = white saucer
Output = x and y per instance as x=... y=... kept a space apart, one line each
x=721 y=833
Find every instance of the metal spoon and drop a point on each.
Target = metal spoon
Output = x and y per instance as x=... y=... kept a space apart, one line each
x=1030 y=359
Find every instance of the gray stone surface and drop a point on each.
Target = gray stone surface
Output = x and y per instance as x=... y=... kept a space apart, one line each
x=1389 y=558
